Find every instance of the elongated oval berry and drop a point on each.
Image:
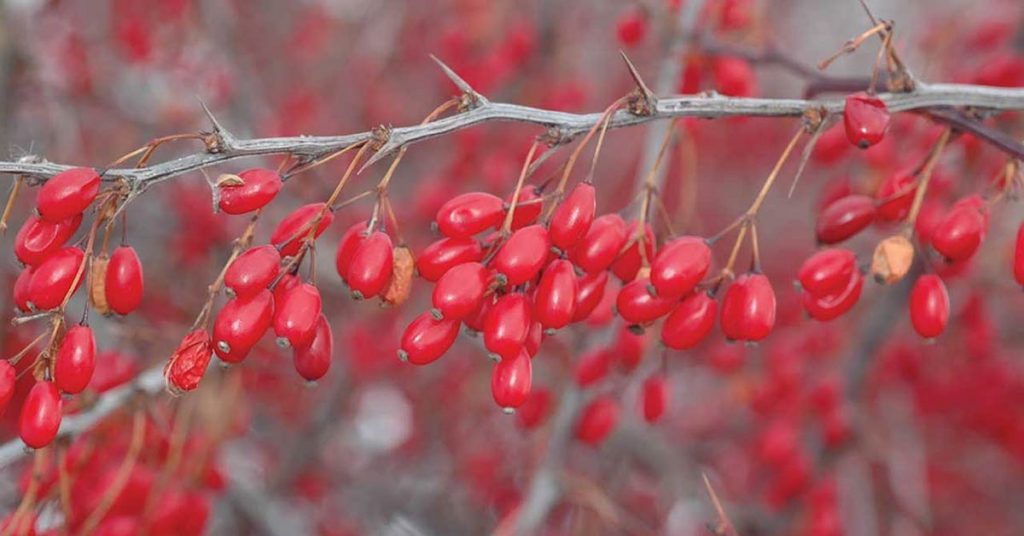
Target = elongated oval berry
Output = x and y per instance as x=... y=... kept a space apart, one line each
x=866 y=119
x=259 y=187
x=825 y=307
x=690 y=322
x=426 y=339
x=592 y=367
x=680 y=266
x=636 y=305
x=38 y=238
x=347 y=247
x=1018 y=260
x=748 y=308
x=555 y=300
x=589 y=293
x=76 y=360
x=958 y=235
x=40 y=415
x=253 y=271
x=535 y=409
x=528 y=207
x=313 y=361
x=293 y=229
x=296 y=314
x=8 y=377
x=521 y=258
x=370 y=269
x=21 y=292
x=507 y=325
x=601 y=245
x=571 y=220
x=629 y=261
x=446 y=253
x=655 y=397
x=844 y=218
x=534 y=339
x=597 y=420
x=51 y=280
x=828 y=271
x=240 y=324
x=929 y=306
x=631 y=27
x=895 y=195
x=68 y=194
x=461 y=291
x=511 y=380
x=124 y=281
x=188 y=363
x=469 y=214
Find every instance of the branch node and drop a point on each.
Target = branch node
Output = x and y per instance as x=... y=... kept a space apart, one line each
x=382 y=143
x=470 y=98
x=219 y=140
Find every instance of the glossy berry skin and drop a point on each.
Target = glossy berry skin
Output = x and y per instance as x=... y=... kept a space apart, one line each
x=469 y=214
x=654 y=397
x=52 y=279
x=461 y=291
x=293 y=229
x=370 y=269
x=523 y=255
x=589 y=293
x=866 y=119
x=124 y=280
x=38 y=238
x=631 y=27
x=534 y=339
x=601 y=245
x=629 y=262
x=348 y=244
x=690 y=322
x=8 y=378
x=253 y=271
x=511 y=380
x=76 y=360
x=680 y=266
x=240 y=324
x=426 y=339
x=748 y=308
x=571 y=220
x=507 y=325
x=597 y=420
x=260 y=188
x=636 y=305
x=20 y=293
x=528 y=208
x=313 y=361
x=40 y=415
x=446 y=253
x=958 y=235
x=67 y=194
x=1018 y=257
x=828 y=271
x=895 y=196
x=844 y=218
x=555 y=300
x=825 y=307
x=929 y=306
x=296 y=314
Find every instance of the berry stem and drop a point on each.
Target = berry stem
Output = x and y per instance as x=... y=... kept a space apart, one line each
x=121 y=478
x=926 y=176
x=506 y=227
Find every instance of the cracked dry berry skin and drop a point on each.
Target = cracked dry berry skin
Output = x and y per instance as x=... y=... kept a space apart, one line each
x=51 y=281
x=511 y=381
x=296 y=312
x=67 y=194
x=523 y=255
x=636 y=305
x=929 y=306
x=426 y=339
x=866 y=119
x=41 y=413
x=259 y=188
x=124 y=284
x=313 y=361
x=597 y=420
x=470 y=214
x=573 y=216
x=460 y=291
x=748 y=308
x=690 y=322
x=828 y=271
x=680 y=266
x=443 y=255
x=38 y=239
x=507 y=325
x=829 y=306
x=253 y=271
x=654 y=398
x=554 y=303
x=75 y=361
x=371 y=266
x=240 y=324
x=348 y=244
x=844 y=218
x=601 y=245
x=188 y=363
x=293 y=229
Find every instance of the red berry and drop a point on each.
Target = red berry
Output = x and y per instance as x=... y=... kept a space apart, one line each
x=827 y=271
x=259 y=188
x=825 y=307
x=748 y=308
x=461 y=290
x=293 y=229
x=636 y=305
x=40 y=415
x=296 y=314
x=528 y=207
x=680 y=266
x=592 y=367
x=124 y=282
x=507 y=325
x=446 y=253
x=511 y=381
x=521 y=258
x=895 y=195
x=690 y=322
x=21 y=294
x=655 y=397
x=371 y=266
x=1018 y=260
x=51 y=280
x=534 y=339
x=630 y=261
x=571 y=220
x=426 y=339
x=240 y=324
x=555 y=300
x=601 y=245
x=253 y=271
x=598 y=420
x=629 y=348
x=8 y=378
x=469 y=214
x=284 y=284
x=958 y=235
x=844 y=218
x=866 y=119
x=631 y=27
x=187 y=365
x=313 y=361
x=76 y=360
x=38 y=239
x=68 y=194
x=347 y=247
x=589 y=293
x=535 y=409
x=929 y=306
x=734 y=76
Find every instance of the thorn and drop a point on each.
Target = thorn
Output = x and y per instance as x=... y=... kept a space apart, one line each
x=459 y=82
x=863 y=4
x=650 y=99
x=217 y=127
x=384 y=150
